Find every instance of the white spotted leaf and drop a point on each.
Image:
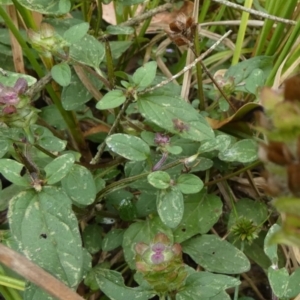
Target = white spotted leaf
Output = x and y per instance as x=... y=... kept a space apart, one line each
x=79 y=185
x=57 y=169
x=189 y=184
x=159 y=179
x=170 y=206
x=46 y=231
x=128 y=146
x=144 y=75
x=11 y=169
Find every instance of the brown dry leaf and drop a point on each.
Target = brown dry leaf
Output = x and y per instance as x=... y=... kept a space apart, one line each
x=159 y=22
x=237 y=119
x=96 y=129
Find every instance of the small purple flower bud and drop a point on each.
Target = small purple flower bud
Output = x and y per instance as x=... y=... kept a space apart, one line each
x=21 y=86
x=161 y=139
x=158 y=248
x=157 y=258
x=8 y=110
x=9 y=96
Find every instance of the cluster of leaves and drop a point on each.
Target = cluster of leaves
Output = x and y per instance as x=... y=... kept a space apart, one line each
x=148 y=189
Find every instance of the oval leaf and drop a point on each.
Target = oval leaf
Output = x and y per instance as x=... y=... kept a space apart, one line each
x=159 y=179
x=59 y=168
x=144 y=75
x=111 y=100
x=189 y=184
x=128 y=146
x=76 y=32
x=79 y=185
x=47 y=232
x=11 y=169
x=61 y=74
x=216 y=255
x=170 y=207
x=243 y=151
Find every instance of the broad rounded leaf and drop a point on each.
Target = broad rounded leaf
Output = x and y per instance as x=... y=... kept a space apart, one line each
x=279 y=279
x=53 y=7
x=92 y=238
x=59 y=168
x=112 y=284
x=271 y=250
x=243 y=151
x=189 y=184
x=113 y=239
x=61 y=73
x=3 y=147
x=216 y=255
x=111 y=100
x=79 y=185
x=201 y=212
x=128 y=146
x=159 y=179
x=144 y=75
x=175 y=115
x=11 y=169
x=46 y=230
x=76 y=32
x=170 y=207
x=88 y=51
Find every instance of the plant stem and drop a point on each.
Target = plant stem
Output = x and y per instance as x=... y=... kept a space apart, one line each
x=12 y=282
x=241 y=34
x=111 y=131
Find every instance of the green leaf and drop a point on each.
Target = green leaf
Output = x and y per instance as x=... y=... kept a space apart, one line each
x=201 y=212
x=118 y=48
x=205 y=285
x=143 y=231
x=256 y=80
x=111 y=100
x=159 y=179
x=52 y=7
x=47 y=232
x=117 y=30
x=87 y=51
x=61 y=73
x=243 y=151
x=113 y=239
x=271 y=250
x=11 y=169
x=33 y=292
x=220 y=143
x=128 y=146
x=170 y=206
x=64 y=5
x=92 y=238
x=189 y=184
x=175 y=150
x=145 y=75
x=59 y=168
x=174 y=115
x=76 y=32
x=293 y=288
x=242 y=70
x=76 y=94
x=52 y=143
x=250 y=210
x=79 y=185
x=111 y=283
x=279 y=279
x=216 y=255
x=3 y=147
x=127 y=210
x=131 y=2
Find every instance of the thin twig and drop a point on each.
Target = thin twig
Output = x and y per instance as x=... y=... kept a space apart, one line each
x=111 y=131
x=38 y=86
x=188 y=67
x=36 y=274
x=256 y=12
x=138 y=19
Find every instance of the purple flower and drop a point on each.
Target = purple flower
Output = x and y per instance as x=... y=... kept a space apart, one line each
x=161 y=139
x=9 y=96
x=158 y=248
x=157 y=258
